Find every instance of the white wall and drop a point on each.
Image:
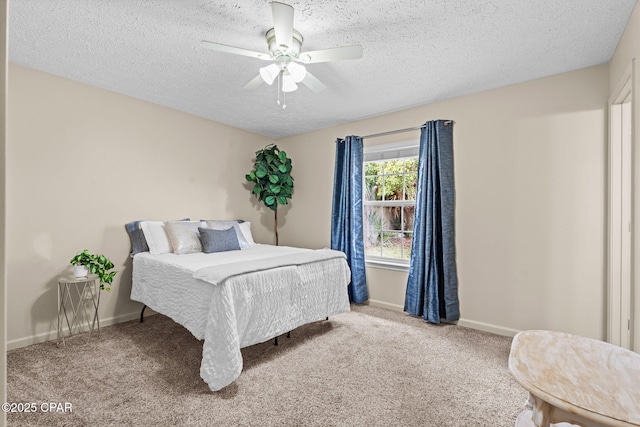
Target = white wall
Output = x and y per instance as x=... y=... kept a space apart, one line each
x=82 y=162
x=628 y=51
x=530 y=206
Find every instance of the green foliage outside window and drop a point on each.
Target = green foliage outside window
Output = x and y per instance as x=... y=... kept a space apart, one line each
x=391 y=180
x=389 y=198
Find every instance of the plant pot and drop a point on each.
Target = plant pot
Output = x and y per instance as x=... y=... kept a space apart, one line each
x=80 y=270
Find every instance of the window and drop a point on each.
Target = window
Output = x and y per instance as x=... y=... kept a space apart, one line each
x=389 y=199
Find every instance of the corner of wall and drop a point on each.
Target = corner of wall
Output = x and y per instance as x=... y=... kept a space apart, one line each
x=3 y=133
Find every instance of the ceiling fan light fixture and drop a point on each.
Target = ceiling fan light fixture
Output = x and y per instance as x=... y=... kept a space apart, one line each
x=288 y=83
x=269 y=73
x=298 y=72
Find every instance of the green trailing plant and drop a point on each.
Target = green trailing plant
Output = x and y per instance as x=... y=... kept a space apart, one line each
x=271 y=178
x=98 y=265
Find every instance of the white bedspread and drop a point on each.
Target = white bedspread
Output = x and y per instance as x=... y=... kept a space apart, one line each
x=217 y=274
x=243 y=309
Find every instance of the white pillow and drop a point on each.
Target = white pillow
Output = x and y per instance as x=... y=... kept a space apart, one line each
x=156 y=237
x=183 y=236
x=245 y=228
x=219 y=224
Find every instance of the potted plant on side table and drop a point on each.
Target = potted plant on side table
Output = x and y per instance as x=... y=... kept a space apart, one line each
x=86 y=262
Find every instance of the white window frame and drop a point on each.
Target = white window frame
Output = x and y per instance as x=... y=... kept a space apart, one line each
x=393 y=151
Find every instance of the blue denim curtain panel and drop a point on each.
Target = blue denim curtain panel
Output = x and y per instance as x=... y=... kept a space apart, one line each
x=346 y=215
x=432 y=287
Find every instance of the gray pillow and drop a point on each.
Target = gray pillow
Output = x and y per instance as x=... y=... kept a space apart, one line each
x=138 y=242
x=218 y=240
x=225 y=224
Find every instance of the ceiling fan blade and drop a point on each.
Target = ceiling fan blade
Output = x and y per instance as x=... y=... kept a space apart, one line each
x=283 y=23
x=235 y=50
x=257 y=81
x=313 y=83
x=333 y=54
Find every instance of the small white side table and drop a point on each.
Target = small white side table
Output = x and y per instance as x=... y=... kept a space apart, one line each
x=78 y=302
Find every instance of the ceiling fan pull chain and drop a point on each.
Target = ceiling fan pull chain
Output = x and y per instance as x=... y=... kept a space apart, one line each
x=284 y=95
x=280 y=87
x=279 y=76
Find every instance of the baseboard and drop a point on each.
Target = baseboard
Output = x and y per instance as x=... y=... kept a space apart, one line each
x=388 y=306
x=488 y=327
x=52 y=335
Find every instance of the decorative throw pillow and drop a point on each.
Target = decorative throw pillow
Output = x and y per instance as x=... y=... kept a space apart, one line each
x=183 y=236
x=138 y=242
x=156 y=237
x=215 y=224
x=218 y=240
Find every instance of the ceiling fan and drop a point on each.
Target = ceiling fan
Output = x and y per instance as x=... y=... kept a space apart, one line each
x=284 y=43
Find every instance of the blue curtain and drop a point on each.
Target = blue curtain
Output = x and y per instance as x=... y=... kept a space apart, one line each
x=346 y=215
x=432 y=287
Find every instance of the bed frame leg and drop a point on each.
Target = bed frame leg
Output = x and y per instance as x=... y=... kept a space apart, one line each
x=275 y=340
x=142 y=314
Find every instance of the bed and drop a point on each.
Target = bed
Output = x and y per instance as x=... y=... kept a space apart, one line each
x=238 y=298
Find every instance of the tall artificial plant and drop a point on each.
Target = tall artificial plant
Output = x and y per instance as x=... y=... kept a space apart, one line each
x=271 y=175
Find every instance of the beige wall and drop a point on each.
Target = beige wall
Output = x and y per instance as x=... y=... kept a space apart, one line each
x=530 y=205
x=628 y=52
x=82 y=162
x=530 y=165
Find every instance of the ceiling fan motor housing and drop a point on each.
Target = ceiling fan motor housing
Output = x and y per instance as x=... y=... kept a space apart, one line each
x=284 y=54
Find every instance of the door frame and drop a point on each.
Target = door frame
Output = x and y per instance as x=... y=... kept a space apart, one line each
x=621 y=214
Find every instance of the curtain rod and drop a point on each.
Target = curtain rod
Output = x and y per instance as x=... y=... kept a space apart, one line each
x=391 y=132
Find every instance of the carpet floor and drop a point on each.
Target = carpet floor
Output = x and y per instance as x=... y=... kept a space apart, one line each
x=368 y=367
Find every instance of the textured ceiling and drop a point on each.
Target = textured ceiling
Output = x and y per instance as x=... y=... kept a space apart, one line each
x=415 y=51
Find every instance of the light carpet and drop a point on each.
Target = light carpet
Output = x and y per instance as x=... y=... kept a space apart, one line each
x=369 y=367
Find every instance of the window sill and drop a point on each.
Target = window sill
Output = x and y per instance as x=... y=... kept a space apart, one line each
x=387 y=265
